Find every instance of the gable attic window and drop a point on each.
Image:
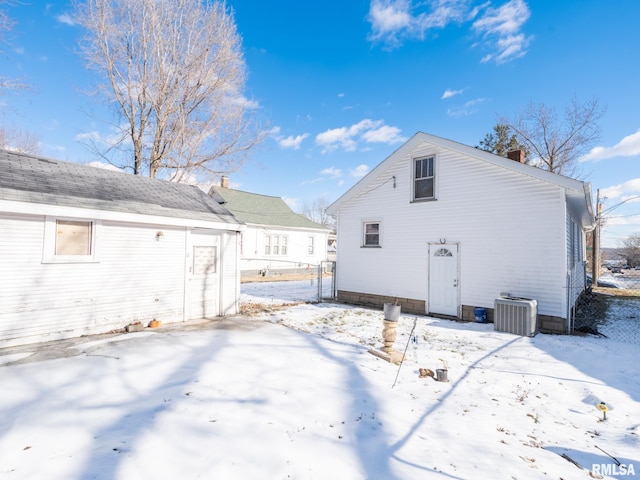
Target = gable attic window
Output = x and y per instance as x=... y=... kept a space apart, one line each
x=69 y=240
x=371 y=234
x=424 y=178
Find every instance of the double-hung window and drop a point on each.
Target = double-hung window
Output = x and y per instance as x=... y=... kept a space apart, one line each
x=371 y=234
x=424 y=178
x=275 y=244
x=267 y=244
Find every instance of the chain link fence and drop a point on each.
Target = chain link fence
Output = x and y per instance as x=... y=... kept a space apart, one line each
x=310 y=283
x=611 y=308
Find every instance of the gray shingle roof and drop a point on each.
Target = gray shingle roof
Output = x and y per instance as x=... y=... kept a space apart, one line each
x=262 y=209
x=26 y=178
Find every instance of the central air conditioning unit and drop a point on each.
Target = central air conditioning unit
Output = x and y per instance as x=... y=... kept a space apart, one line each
x=516 y=315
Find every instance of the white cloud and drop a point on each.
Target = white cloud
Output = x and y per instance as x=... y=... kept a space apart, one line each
x=502 y=25
x=359 y=171
x=388 y=19
x=622 y=191
x=287 y=142
x=312 y=181
x=627 y=147
x=66 y=19
x=448 y=93
x=244 y=102
x=332 y=172
x=393 y=21
x=468 y=108
x=292 y=142
x=384 y=134
x=505 y=20
x=365 y=131
x=97 y=138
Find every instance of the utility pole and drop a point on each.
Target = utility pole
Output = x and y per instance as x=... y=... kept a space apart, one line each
x=595 y=267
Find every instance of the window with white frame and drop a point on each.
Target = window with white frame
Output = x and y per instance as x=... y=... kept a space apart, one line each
x=371 y=234
x=311 y=245
x=575 y=244
x=275 y=245
x=267 y=244
x=70 y=240
x=424 y=178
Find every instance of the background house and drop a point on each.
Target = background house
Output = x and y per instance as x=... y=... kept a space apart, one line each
x=87 y=250
x=444 y=228
x=276 y=239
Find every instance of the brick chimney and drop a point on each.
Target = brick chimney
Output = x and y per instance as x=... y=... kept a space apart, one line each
x=516 y=155
x=224 y=181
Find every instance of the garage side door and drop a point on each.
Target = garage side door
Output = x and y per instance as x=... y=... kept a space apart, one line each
x=204 y=275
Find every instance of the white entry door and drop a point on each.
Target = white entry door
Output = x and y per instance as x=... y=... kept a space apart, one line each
x=203 y=275
x=443 y=279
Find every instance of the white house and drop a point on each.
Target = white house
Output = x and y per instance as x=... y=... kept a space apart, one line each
x=276 y=239
x=445 y=228
x=86 y=250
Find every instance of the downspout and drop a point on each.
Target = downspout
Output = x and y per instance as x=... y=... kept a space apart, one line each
x=569 y=307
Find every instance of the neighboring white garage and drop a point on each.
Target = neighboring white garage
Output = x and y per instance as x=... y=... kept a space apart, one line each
x=87 y=250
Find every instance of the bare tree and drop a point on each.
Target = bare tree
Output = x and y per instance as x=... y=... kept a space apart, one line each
x=315 y=211
x=175 y=72
x=6 y=25
x=13 y=138
x=630 y=250
x=19 y=140
x=555 y=144
x=502 y=141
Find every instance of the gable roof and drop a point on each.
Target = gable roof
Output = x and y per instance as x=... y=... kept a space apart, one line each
x=31 y=179
x=253 y=208
x=577 y=193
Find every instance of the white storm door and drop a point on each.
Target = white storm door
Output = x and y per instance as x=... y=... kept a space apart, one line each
x=203 y=275
x=443 y=279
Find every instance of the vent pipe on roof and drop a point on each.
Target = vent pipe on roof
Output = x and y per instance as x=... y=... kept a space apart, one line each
x=224 y=181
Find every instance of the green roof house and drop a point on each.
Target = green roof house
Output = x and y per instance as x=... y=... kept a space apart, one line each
x=276 y=239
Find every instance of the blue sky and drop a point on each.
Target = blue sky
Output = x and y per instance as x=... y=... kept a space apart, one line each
x=341 y=85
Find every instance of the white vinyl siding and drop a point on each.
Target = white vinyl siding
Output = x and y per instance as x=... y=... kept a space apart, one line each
x=493 y=213
x=140 y=277
x=256 y=238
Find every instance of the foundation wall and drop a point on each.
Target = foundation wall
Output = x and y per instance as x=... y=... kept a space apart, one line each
x=408 y=305
x=546 y=323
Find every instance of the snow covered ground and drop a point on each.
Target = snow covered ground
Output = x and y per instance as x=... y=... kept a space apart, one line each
x=294 y=393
